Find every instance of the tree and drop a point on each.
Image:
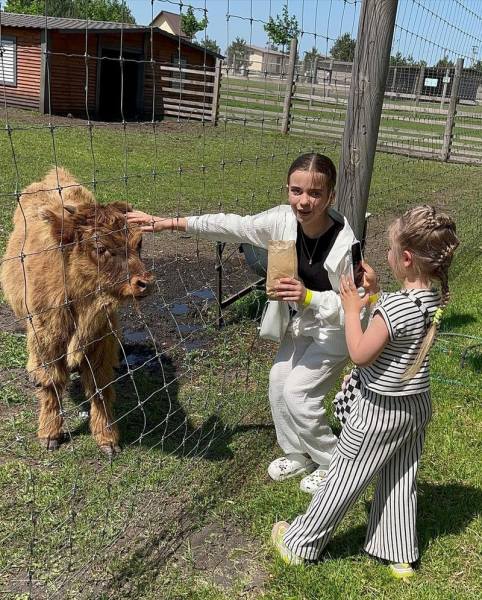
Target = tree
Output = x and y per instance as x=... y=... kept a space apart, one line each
x=95 y=10
x=282 y=29
x=209 y=44
x=444 y=62
x=238 y=53
x=344 y=48
x=190 y=25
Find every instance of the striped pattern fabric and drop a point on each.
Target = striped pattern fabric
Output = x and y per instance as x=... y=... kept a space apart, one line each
x=407 y=314
x=382 y=438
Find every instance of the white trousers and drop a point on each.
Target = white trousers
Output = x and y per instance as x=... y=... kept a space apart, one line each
x=384 y=436
x=303 y=373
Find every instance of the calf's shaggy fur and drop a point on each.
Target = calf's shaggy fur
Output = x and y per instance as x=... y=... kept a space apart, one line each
x=69 y=263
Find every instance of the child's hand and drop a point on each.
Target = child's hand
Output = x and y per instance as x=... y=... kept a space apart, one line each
x=370 y=281
x=147 y=222
x=350 y=297
x=290 y=290
x=345 y=381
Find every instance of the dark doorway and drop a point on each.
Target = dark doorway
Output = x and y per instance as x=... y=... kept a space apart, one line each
x=110 y=97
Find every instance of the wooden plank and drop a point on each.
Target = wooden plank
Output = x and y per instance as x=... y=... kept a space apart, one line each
x=184 y=92
x=189 y=81
x=184 y=101
x=177 y=69
x=188 y=115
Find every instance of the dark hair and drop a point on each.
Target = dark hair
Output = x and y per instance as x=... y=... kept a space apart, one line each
x=316 y=163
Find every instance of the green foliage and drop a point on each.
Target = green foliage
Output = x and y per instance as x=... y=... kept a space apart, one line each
x=444 y=62
x=282 y=29
x=190 y=25
x=343 y=48
x=96 y=10
x=238 y=52
x=209 y=44
x=398 y=60
x=310 y=57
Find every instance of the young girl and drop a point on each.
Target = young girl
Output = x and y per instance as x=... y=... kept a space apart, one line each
x=313 y=351
x=386 y=426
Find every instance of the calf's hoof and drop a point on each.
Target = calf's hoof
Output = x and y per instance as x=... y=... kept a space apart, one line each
x=110 y=450
x=51 y=444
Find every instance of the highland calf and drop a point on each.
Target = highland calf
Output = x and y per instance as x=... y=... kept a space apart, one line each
x=69 y=263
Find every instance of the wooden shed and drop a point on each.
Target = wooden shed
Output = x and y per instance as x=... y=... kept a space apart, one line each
x=105 y=70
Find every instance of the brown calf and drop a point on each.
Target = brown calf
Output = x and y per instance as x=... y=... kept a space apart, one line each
x=68 y=264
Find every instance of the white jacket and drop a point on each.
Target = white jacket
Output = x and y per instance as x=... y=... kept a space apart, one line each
x=323 y=318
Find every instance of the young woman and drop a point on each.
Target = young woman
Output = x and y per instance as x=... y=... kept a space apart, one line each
x=313 y=350
x=386 y=427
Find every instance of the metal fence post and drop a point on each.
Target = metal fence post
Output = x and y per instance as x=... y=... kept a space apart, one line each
x=452 y=111
x=285 y=119
x=367 y=89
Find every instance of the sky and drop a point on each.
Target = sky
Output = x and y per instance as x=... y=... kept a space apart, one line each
x=426 y=29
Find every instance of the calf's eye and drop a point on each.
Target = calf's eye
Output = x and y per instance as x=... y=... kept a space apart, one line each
x=101 y=250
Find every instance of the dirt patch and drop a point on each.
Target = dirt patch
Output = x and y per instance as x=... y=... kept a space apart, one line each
x=223 y=554
x=25 y=118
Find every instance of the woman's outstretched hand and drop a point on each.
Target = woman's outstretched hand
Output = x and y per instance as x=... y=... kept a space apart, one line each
x=290 y=290
x=147 y=222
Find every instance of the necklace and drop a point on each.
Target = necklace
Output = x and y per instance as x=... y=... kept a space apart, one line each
x=310 y=256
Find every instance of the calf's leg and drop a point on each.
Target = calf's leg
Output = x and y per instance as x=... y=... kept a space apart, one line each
x=97 y=374
x=51 y=376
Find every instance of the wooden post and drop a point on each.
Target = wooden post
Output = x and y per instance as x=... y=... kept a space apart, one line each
x=444 y=91
x=394 y=80
x=452 y=111
x=216 y=92
x=285 y=119
x=420 y=80
x=365 y=103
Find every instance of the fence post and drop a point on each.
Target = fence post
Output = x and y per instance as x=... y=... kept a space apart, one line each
x=216 y=92
x=367 y=88
x=444 y=91
x=285 y=119
x=452 y=111
x=418 y=92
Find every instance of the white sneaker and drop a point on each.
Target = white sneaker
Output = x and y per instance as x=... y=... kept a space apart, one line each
x=311 y=483
x=290 y=466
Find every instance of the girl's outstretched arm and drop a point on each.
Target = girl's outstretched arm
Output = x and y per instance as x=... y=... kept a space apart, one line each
x=152 y=223
x=364 y=348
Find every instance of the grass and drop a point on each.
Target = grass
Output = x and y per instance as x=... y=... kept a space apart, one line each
x=186 y=510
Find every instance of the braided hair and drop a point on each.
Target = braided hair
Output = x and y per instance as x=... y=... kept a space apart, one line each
x=430 y=237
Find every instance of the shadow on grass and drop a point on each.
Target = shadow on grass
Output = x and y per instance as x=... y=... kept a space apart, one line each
x=451 y=322
x=443 y=510
x=149 y=414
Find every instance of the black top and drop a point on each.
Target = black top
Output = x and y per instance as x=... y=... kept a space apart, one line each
x=315 y=276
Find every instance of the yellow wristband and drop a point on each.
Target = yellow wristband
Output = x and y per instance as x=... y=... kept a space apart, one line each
x=373 y=298
x=308 y=297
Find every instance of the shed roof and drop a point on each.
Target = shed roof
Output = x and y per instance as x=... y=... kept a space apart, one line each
x=42 y=22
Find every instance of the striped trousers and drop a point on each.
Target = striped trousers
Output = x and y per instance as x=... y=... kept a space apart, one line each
x=382 y=438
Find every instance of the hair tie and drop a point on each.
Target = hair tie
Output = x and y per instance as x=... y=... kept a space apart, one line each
x=438 y=316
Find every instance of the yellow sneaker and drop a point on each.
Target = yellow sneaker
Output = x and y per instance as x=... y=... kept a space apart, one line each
x=277 y=537
x=402 y=570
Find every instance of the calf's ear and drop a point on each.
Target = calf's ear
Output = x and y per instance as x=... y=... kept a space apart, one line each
x=61 y=225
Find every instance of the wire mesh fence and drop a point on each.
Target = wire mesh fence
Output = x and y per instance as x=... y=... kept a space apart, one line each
x=143 y=116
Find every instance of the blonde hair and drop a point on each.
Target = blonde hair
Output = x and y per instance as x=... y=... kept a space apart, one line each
x=430 y=237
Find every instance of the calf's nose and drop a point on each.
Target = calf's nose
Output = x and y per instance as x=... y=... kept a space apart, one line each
x=143 y=285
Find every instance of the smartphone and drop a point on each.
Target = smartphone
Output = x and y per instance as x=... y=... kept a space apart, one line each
x=357 y=268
